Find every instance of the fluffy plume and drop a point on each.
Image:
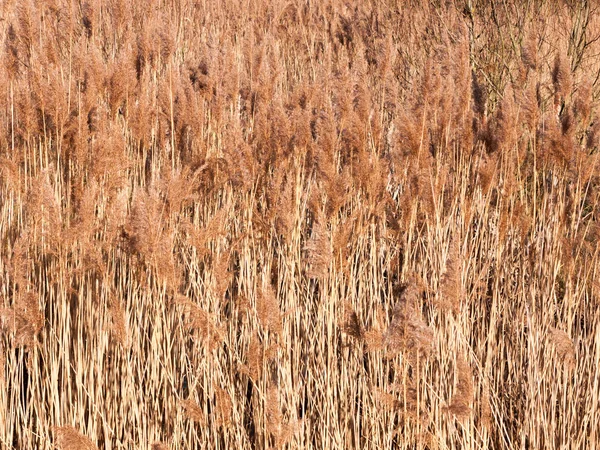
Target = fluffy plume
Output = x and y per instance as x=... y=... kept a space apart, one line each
x=486 y=410
x=529 y=53
x=256 y=358
x=281 y=430
x=564 y=347
x=450 y=284
x=224 y=406
x=214 y=227
x=2 y=363
x=462 y=399
x=561 y=79
x=403 y=397
x=206 y=324
x=68 y=438
x=120 y=330
x=18 y=268
x=583 y=102
x=24 y=320
x=319 y=253
x=45 y=212
x=193 y=411
x=150 y=234
x=273 y=411
x=159 y=446
x=221 y=275
x=267 y=309
x=407 y=332
x=9 y=173
x=374 y=339
x=350 y=324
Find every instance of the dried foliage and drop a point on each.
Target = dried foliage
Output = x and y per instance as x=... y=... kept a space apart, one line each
x=564 y=346
x=68 y=438
x=267 y=310
x=340 y=224
x=193 y=411
x=24 y=320
x=408 y=333
x=159 y=446
x=119 y=329
x=205 y=324
x=462 y=399
x=318 y=251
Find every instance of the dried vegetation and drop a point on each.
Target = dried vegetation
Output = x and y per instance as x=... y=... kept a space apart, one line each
x=331 y=224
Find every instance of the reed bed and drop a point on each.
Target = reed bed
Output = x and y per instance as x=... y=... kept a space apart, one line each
x=321 y=225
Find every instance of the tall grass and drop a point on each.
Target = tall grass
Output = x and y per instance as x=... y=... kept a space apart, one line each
x=299 y=225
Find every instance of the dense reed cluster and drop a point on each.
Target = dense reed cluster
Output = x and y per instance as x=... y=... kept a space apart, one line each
x=271 y=224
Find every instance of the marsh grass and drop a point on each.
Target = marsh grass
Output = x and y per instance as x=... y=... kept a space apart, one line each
x=299 y=225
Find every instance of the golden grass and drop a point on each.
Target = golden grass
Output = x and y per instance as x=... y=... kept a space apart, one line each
x=363 y=224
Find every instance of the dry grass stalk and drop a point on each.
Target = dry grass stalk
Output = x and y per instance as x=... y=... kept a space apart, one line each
x=145 y=153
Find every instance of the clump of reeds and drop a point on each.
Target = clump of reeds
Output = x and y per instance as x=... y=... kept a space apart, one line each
x=207 y=208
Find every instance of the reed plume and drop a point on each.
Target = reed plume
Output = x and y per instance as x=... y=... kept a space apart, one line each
x=408 y=333
x=268 y=311
x=68 y=438
x=120 y=329
x=24 y=320
x=159 y=446
x=193 y=411
x=205 y=324
x=461 y=403
x=564 y=347
x=318 y=251
x=208 y=210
